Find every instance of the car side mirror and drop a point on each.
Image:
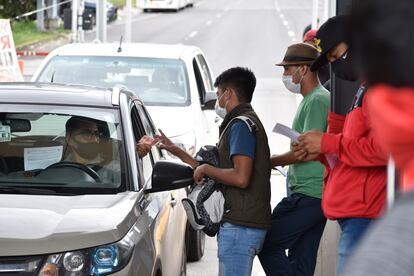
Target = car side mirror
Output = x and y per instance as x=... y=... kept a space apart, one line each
x=209 y=101
x=169 y=175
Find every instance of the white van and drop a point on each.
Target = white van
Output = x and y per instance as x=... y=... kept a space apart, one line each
x=173 y=5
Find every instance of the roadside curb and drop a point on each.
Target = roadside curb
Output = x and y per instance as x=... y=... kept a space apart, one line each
x=45 y=46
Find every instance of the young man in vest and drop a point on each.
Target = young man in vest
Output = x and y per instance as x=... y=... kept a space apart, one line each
x=298 y=221
x=354 y=192
x=244 y=172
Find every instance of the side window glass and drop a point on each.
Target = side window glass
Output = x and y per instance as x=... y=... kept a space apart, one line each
x=205 y=73
x=149 y=129
x=139 y=131
x=200 y=85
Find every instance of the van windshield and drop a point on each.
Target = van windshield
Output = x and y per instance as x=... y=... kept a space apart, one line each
x=61 y=151
x=156 y=81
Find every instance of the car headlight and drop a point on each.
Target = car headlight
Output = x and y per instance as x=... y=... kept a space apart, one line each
x=186 y=141
x=100 y=260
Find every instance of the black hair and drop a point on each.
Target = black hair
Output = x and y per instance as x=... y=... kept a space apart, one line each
x=382 y=38
x=75 y=122
x=241 y=79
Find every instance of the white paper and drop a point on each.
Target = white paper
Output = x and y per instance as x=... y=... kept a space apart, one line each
x=5 y=134
x=40 y=158
x=286 y=131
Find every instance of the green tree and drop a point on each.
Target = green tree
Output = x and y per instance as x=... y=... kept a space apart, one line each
x=13 y=8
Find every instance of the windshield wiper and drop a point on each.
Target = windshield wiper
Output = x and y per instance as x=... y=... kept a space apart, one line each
x=30 y=191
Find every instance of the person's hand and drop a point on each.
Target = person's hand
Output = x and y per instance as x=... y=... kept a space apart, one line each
x=199 y=174
x=166 y=143
x=144 y=145
x=302 y=154
x=308 y=146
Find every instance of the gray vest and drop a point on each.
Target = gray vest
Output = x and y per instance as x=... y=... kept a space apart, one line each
x=251 y=206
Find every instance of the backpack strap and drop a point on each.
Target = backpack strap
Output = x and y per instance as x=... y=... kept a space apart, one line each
x=249 y=122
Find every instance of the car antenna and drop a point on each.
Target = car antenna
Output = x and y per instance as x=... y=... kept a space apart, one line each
x=120 y=45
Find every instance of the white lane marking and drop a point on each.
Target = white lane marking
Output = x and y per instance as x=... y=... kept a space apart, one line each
x=291 y=33
x=209 y=22
x=285 y=23
x=193 y=34
x=219 y=15
x=226 y=9
x=282 y=15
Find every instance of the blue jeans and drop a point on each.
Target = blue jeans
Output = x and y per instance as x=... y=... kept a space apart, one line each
x=297 y=225
x=237 y=247
x=352 y=229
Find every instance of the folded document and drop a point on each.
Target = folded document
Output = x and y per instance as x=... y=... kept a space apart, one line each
x=286 y=131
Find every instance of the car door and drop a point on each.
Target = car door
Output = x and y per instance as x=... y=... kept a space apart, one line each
x=145 y=257
x=172 y=220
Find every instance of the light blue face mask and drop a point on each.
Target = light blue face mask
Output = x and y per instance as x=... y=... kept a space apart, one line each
x=290 y=85
x=220 y=111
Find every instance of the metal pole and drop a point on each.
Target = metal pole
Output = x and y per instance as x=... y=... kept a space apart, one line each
x=128 y=24
x=315 y=14
x=54 y=9
x=326 y=10
x=101 y=21
x=74 y=20
x=40 y=15
x=80 y=20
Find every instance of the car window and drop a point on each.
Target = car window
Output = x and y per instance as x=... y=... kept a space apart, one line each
x=205 y=73
x=60 y=149
x=139 y=131
x=149 y=129
x=156 y=81
x=200 y=83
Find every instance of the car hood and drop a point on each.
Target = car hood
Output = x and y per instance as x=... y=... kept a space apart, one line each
x=38 y=224
x=172 y=120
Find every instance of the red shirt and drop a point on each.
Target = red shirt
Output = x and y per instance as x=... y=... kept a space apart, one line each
x=393 y=110
x=355 y=187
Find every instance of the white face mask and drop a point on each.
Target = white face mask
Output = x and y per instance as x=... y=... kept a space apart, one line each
x=220 y=111
x=290 y=85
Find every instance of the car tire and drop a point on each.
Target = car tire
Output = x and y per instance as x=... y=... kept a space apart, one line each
x=195 y=244
x=184 y=261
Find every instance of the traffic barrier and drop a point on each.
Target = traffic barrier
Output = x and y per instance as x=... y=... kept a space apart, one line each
x=31 y=54
x=21 y=66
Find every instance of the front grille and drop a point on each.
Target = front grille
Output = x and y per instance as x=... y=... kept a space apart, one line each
x=21 y=266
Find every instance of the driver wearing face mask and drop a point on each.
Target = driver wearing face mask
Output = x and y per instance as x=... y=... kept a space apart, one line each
x=85 y=146
x=299 y=216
